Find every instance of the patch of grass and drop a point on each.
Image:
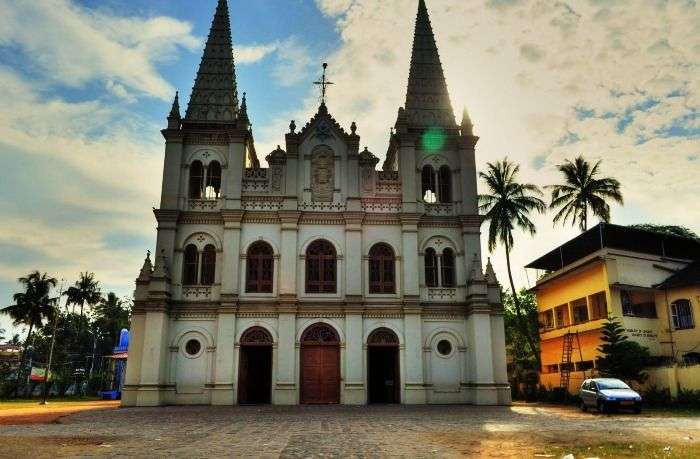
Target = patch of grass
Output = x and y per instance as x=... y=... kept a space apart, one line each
x=627 y=449
x=8 y=404
x=672 y=412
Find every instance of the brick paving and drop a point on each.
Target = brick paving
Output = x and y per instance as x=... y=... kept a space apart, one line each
x=315 y=431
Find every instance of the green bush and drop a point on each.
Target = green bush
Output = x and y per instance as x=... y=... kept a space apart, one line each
x=655 y=396
x=688 y=398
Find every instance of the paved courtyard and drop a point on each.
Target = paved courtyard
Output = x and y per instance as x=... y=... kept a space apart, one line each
x=337 y=431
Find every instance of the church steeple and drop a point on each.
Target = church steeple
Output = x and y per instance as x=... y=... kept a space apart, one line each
x=214 y=95
x=427 y=100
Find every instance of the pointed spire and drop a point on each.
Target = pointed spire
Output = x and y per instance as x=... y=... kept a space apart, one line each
x=467 y=126
x=175 y=110
x=146 y=269
x=490 y=273
x=243 y=113
x=174 y=116
x=161 y=270
x=214 y=95
x=477 y=275
x=427 y=100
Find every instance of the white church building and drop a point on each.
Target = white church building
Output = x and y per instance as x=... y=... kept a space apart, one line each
x=318 y=279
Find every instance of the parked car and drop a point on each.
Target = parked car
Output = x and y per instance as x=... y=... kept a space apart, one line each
x=608 y=394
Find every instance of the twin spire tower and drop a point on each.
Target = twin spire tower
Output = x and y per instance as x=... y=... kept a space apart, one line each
x=214 y=96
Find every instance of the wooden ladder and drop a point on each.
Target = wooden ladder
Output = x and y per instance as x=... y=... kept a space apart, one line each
x=565 y=364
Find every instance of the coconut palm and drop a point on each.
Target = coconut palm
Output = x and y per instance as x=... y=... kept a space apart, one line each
x=34 y=305
x=85 y=291
x=506 y=207
x=583 y=189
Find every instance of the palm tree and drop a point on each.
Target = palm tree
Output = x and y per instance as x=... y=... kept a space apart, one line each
x=85 y=291
x=507 y=206
x=583 y=189
x=32 y=306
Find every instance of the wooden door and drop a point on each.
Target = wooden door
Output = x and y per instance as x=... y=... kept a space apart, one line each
x=320 y=374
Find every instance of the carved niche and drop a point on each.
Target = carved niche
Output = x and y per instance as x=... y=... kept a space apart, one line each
x=322 y=175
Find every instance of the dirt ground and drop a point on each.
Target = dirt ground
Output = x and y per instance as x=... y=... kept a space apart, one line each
x=34 y=413
x=520 y=431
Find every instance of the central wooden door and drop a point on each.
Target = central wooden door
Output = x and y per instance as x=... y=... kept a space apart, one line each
x=320 y=365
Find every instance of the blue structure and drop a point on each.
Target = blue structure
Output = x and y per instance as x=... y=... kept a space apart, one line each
x=118 y=366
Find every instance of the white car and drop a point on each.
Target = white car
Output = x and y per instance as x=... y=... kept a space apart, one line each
x=606 y=394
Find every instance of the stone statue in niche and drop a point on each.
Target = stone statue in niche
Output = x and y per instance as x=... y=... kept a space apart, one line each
x=322 y=175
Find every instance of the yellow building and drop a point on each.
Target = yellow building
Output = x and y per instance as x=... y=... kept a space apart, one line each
x=650 y=281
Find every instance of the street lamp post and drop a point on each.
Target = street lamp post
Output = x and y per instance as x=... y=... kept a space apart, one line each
x=53 y=343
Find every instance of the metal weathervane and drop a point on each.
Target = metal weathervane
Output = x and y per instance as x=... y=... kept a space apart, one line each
x=323 y=83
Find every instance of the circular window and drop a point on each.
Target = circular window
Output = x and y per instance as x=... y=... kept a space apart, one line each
x=192 y=347
x=444 y=347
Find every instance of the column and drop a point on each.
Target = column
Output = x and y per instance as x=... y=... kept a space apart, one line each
x=409 y=247
x=232 y=180
x=288 y=254
x=154 y=359
x=224 y=384
x=468 y=175
x=355 y=351
x=172 y=168
x=353 y=255
x=230 y=274
x=500 y=371
x=286 y=388
x=483 y=380
x=413 y=357
x=407 y=172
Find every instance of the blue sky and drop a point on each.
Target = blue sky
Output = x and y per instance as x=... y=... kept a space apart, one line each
x=85 y=91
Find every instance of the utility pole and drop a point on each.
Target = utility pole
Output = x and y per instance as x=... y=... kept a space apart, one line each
x=57 y=312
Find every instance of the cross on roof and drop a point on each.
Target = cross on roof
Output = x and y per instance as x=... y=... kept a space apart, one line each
x=323 y=82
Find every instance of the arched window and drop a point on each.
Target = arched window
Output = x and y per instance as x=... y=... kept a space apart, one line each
x=445 y=180
x=259 y=271
x=428 y=184
x=321 y=267
x=191 y=264
x=382 y=263
x=213 y=188
x=208 y=265
x=196 y=180
x=448 y=268
x=431 y=268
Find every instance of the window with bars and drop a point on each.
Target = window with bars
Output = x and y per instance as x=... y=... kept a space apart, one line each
x=431 y=268
x=382 y=262
x=196 y=180
x=199 y=268
x=191 y=265
x=682 y=314
x=428 y=184
x=208 y=265
x=321 y=268
x=260 y=268
x=445 y=190
x=448 y=268
x=213 y=188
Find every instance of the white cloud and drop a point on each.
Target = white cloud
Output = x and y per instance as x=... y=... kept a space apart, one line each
x=294 y=62
x=522 y=67
x=334 y=8
x=249 y=54
x=73 y=46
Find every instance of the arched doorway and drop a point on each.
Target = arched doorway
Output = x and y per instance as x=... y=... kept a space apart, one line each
x=383 y=367
x=320 y=365
x=255 y=367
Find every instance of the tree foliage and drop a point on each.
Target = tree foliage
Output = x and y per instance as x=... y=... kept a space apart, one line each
x=671 y=230
x=516 y=341
x=85 y=291
x=583 y=189
x=507 y=206
x=620 y=357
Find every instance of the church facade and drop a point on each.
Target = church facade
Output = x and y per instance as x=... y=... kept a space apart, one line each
x=320 y=278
